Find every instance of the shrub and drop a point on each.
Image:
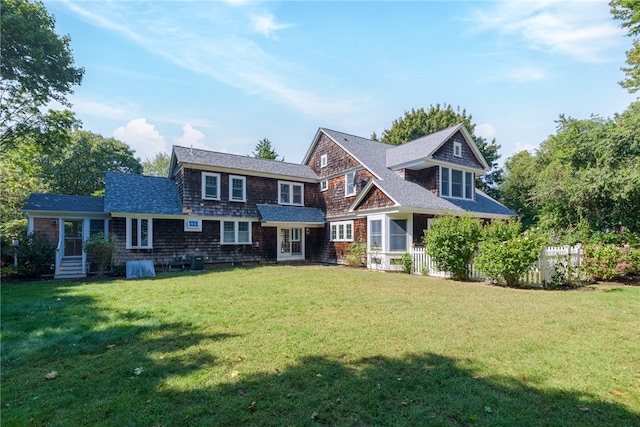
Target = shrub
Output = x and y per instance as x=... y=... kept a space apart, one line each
x=506 y=253
x=356 y=254
x=102 y=248
x=451 y=242
x=407 y=262
x=609 y=261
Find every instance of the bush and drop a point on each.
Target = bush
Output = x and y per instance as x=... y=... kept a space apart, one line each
x=506 y=253
x=101 y=248
x=609 y=261
x=407 y=262
x=356 y=254
x=452 y=242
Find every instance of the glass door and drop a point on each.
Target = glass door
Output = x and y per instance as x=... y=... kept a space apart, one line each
x=290 y=244
x=72 y=238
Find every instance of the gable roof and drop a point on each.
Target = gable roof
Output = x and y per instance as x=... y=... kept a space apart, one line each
x=140 y=194
x=203 y=159
x=425 y=147
x=63 y=203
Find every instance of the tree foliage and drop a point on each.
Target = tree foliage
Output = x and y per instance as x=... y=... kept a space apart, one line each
x=452 y=242
x=419 y=122
x=506 y=252
x=101 y=248
x=156 y=166
x=37 y=67
x=587 y=173
x=264 y=150
x=628 y=11
x=80 y=167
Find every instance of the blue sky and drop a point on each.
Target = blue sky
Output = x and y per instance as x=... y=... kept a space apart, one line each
x=223 y=75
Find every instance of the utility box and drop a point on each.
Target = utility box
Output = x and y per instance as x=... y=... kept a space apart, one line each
x=196 y=263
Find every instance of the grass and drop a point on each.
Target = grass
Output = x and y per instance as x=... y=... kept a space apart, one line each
x=314 y=345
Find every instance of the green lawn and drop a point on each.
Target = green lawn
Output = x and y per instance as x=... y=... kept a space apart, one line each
x=315 y=345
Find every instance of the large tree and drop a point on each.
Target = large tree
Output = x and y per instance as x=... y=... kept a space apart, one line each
x=156 y=166
x=80 y=167
x=264 y=150
x=628 y=11
x=37 y=68
x=418 y=122
x=585 y=175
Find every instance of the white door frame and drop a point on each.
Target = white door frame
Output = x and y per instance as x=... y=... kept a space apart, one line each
x=288 y=256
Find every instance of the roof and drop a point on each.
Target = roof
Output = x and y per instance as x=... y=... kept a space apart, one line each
x=64 y=203
x=194 y=156
x=373 y=155
x=140 y=194
x=279 y=213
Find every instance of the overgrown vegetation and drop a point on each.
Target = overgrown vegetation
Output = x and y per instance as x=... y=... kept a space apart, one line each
x=316 y=345
x=407 y=262
x=356 y=254
x=35 y=252
x=607 y=261
x=452 y=242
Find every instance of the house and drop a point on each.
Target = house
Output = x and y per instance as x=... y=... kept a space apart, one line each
x=225 y=208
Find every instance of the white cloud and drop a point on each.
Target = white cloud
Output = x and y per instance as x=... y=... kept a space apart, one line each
x=524 y=73
x=191 y=137
x=486 y=131
x=265 y=24
x=581 y=30
x=99 y=109
x=142 y=137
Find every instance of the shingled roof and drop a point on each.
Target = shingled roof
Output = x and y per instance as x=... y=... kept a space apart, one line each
x=64 y=203
x=141 y=194
x=243 y=164
x=296 y=214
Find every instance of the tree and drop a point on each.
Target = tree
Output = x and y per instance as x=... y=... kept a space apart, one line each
x=80 y=167
x=156 y=166
x=452 y=242
x=418 y=123
x=264 y=150
x=518 y=184
x=37 y=67
x=628 y=11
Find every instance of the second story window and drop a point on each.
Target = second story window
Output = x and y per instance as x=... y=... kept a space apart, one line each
x=210 y=186
x=456 y=183
x=323 y=161
x=290 y=193
x=237 y=188
x=324 y=185
x=350 y=184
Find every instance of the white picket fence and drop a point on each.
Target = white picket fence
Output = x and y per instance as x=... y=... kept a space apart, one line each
x=551 y=258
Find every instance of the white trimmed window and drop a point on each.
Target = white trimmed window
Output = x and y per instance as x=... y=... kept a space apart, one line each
x=324 y=185
x=375 y=234
x=350 y=184
x=342 y=231
x=235 y=232
x=237 y=188
x=323 y=161
x=192 y=225
x=398 y=235
x=290 y=193
x=456 y=183
x=457 y=149
x=210 y=186
x=139 y=233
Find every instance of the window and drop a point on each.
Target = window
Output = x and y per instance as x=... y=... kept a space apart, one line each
x=342 y=231
x=398 y=235
x=96 y=226
x=456 y=183
x=324 y=185
x=139 y=233
x=235 y=232
x=192 y=225
x=211 y=186
x=457 y=149
x=444 y=181
x=290 y=193
x=237 y=186
x=323 y=161
x=375 y=234
x=349 y=184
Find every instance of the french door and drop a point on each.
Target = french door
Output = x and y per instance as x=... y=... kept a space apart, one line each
x=290 y=244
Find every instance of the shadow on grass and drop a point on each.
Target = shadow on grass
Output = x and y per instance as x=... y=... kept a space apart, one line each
x=180 y=383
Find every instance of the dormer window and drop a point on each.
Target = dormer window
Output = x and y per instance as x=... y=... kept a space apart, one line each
x=457 y=149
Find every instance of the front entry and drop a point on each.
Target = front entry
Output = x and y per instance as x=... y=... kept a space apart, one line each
x=290 y=244
x=72 y=238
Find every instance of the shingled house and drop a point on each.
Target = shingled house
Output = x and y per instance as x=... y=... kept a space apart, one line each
x=227 y=208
